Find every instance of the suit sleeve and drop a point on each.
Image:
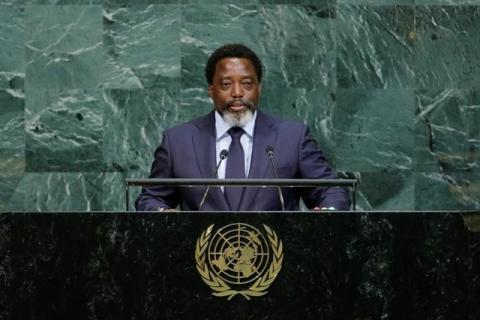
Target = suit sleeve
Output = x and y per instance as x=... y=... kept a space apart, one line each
x=313 y=165
x=157 y=197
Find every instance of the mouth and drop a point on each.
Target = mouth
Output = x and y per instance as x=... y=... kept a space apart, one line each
x=237 y=107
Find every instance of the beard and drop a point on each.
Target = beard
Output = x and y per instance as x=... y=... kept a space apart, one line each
x=238 y=119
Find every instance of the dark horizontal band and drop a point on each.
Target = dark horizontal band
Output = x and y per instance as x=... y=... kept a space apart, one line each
x=244 y=182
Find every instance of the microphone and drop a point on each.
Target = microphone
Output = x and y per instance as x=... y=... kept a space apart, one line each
x=269 y=151
x=223 y=156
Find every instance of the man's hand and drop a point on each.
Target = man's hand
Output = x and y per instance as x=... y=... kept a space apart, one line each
x=166 y=210
x=324 y=209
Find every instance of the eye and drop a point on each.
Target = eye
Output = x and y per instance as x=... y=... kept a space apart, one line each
x=247 y=84
x=225 y=84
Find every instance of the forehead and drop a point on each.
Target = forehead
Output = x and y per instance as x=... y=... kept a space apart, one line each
x=234 y=67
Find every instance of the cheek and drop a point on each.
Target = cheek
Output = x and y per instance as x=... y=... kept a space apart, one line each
x=218 y=99
x=223 y=95
x=254 y=94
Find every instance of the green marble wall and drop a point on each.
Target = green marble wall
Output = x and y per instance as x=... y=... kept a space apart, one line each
x=390 y=88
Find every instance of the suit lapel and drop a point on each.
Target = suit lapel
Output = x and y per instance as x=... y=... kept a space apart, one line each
x=264 y=135
x=205 y=152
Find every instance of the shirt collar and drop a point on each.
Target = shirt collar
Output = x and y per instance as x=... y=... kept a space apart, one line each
x=221 y=127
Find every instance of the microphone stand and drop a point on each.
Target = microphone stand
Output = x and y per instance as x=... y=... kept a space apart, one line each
x=223 y=156
x=269 y=151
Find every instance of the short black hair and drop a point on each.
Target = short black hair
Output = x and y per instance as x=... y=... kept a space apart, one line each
x=232 y=50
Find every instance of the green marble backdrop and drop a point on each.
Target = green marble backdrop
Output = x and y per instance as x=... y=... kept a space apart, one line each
x=390 y=88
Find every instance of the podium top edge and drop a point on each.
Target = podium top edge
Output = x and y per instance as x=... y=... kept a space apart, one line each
x=242 y=182
x=177 y=213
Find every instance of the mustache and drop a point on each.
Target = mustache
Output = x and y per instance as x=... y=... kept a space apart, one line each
x=247 y=103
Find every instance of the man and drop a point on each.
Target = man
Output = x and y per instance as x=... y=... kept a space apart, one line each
x=194 y=149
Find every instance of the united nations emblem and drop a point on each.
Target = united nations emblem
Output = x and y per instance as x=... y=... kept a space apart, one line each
x=239 y=259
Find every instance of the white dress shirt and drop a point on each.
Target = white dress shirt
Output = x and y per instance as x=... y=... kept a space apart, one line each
x=223 y=140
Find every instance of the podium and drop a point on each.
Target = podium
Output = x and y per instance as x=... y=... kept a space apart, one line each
x=335 y=265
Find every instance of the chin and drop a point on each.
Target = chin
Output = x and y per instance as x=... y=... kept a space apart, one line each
x=238 y=119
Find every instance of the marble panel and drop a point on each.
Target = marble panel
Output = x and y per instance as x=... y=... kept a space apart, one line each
x=208 y=2
x=12 y=143
x=10 y=198
x=312 y=107
x=375 y=46
x=447 y=137
x=446 y=47
x=207 y=27
x=141 y=45
x=373 y=129
x=13 y=3
x=298 y=46
x=424 y=160
x=64 y=130
x=12 y=36
x=114 y=190
x=302 y=2
x=453 y=191
x=194 y=102
x=377 y=2
x=108 y=3
x=59 y=191
x=64 y=46
x=12 y=147
x=385 y=190
x=65 y=2
x=446 y=2
x=134 y=121
x=12 y=80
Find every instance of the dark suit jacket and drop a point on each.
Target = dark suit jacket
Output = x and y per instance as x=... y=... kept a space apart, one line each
x=188 y=151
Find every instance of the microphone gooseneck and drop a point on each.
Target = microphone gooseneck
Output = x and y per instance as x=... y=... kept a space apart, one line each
x=269 y=151
x=223 y=156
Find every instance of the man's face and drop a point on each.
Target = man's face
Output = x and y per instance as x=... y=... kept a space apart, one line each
x=235 y=89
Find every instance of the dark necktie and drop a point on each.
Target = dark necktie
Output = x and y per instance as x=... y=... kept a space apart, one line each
x=235 y=167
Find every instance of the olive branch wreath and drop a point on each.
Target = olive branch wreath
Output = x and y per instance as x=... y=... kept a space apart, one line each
x=222 y=289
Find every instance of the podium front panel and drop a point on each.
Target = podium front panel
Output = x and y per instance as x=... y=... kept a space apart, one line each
x=221 y=265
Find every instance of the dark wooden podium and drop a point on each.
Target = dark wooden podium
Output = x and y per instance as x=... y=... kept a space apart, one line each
x=337 y=265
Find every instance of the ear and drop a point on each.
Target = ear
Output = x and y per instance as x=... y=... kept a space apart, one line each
x=210 y=91
x=260 y=87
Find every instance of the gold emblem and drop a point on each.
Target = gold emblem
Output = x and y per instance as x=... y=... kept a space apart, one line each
x=238 y=259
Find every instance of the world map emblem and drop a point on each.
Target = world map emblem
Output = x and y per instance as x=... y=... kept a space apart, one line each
x=239 y=259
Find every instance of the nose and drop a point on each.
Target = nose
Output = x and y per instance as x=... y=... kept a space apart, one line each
x=237 y=90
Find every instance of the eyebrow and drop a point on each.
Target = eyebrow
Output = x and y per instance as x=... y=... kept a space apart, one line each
x=243 y=78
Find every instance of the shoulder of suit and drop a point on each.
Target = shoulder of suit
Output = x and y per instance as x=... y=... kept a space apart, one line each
x=283 y=123
x=193 y=124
